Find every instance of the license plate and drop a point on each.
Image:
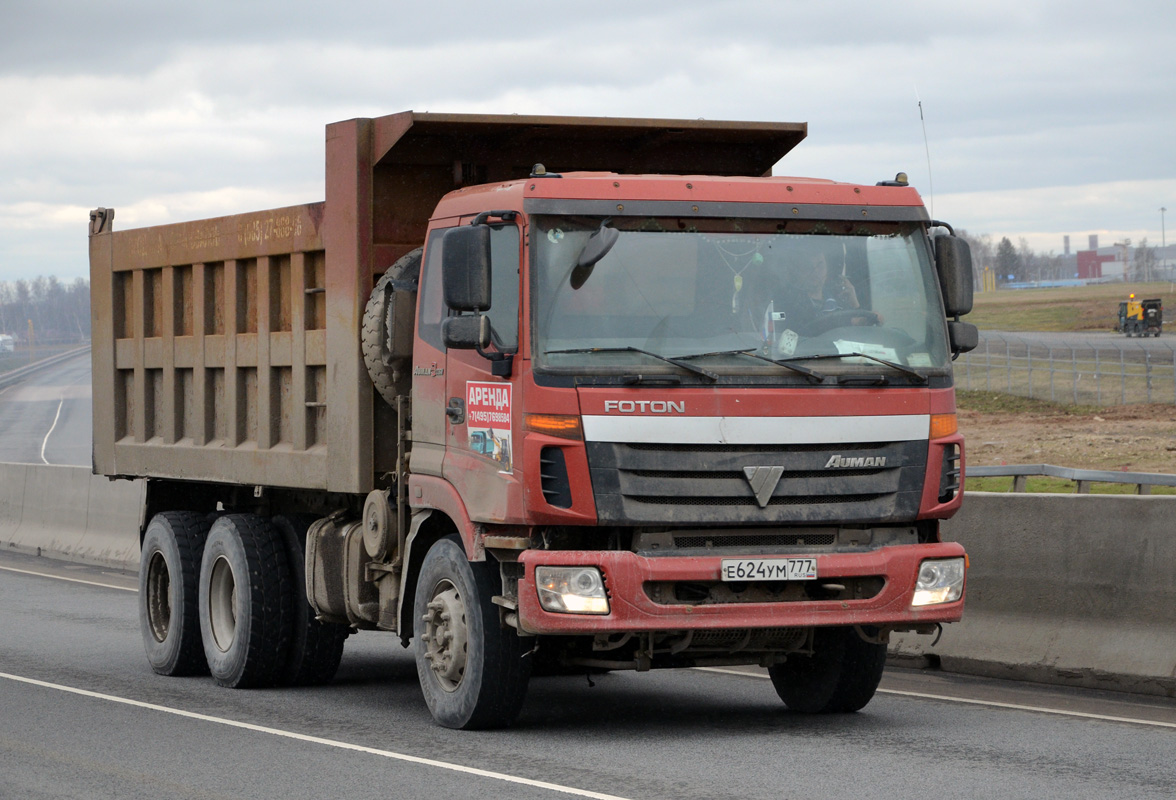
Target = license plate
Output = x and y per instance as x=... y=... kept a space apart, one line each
x=768 y=569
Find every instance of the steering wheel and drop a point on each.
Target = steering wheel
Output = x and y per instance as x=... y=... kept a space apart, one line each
x=829 y=320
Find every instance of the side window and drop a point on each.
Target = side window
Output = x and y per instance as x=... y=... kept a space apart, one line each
x=504 y=286
x=431 y=306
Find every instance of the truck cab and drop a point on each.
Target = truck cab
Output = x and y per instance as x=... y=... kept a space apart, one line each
x=733 y=404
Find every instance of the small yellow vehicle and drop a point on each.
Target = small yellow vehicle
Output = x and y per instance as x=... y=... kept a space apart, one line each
x=1141 y=317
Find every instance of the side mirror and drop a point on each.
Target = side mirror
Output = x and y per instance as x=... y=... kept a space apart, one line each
x=465 y=266
x=466 y=333
x=953 y=262
x=597 y=247
x=962 y=336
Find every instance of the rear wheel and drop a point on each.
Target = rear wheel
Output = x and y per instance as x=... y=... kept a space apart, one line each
x=315 y=647
x=169 y=572
x=246 y=602
x=840 y=676
x=471 y=667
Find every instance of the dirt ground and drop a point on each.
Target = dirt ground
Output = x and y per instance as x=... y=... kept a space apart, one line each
x=1135 y=438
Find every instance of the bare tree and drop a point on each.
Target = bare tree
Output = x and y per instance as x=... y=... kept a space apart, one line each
x=1143 y=262
x=57 y=312
x=983 y=254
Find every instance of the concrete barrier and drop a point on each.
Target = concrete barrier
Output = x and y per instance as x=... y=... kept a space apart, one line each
x=1069 y=589
x=67 y=513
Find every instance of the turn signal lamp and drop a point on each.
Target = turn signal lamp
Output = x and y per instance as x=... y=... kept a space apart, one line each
x=571 y=590
x=564 y=426
x=943 y=425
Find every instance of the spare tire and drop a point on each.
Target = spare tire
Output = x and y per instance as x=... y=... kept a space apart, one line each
x=388 y=328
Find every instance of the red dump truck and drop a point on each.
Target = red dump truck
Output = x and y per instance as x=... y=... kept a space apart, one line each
x=541 y=394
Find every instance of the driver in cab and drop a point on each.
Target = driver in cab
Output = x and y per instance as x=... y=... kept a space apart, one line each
x=815 y=301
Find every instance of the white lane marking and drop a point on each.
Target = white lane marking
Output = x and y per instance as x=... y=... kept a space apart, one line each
x=302 y=737
x=71 y=580
x=56 y=417
x=990 y=703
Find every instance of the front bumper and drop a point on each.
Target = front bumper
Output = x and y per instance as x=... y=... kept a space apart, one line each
x=632 y=610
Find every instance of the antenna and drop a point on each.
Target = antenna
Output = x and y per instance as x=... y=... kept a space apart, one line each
x=927 y=146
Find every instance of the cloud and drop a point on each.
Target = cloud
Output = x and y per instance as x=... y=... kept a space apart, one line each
x=1115 y=210
x=172 y=112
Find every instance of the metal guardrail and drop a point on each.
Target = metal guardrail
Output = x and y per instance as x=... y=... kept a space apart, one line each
x=17 y=375
x=1083 y=477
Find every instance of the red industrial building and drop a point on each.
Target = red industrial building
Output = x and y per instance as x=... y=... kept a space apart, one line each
x=1090 y=263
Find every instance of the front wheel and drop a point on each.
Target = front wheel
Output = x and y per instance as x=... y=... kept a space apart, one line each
x=471 y=667
x=840 y=676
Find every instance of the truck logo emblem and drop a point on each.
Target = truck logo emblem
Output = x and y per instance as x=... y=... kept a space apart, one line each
x=645 y=406
x=763 y=482
x=865 y=461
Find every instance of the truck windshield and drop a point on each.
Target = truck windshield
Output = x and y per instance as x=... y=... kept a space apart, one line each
x=712 y=291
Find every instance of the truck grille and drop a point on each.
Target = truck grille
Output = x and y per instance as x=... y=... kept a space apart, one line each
x=720 y=541
x=685 y=484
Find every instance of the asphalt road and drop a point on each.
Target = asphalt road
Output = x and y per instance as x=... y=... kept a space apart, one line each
x=82 y=715
x=46 y=419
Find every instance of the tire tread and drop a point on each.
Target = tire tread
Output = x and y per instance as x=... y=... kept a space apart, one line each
x=316 y=648
x=271 y=607
x=189 y=530
x=840 y=677
x=373 y=329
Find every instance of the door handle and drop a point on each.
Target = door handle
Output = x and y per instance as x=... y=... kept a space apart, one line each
x=455 y=410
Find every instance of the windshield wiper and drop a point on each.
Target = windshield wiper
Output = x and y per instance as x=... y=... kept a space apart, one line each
x=920 y=377
x=706 y=373
x=810 y=374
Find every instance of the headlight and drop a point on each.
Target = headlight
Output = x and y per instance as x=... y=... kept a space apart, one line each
x=940 y=581
x=571 y=590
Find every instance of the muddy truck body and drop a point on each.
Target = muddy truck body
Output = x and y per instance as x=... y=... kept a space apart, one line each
x=645 y=406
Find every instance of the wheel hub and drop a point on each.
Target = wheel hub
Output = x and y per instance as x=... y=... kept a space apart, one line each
x=222 y=604
x=158 y=596
x=446 y=636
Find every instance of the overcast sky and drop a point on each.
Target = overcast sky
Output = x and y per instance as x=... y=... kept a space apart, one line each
x=1043 y=118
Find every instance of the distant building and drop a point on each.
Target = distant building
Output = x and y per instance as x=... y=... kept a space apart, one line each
x=1090 y=264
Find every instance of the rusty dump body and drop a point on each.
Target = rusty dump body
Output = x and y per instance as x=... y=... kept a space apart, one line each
x=228 y=349
x=645 y=406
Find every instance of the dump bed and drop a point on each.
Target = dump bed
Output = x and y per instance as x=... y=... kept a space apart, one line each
x=229 y=349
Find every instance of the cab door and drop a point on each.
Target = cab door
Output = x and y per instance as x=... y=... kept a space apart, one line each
x=429 y=364
x=481 y=407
